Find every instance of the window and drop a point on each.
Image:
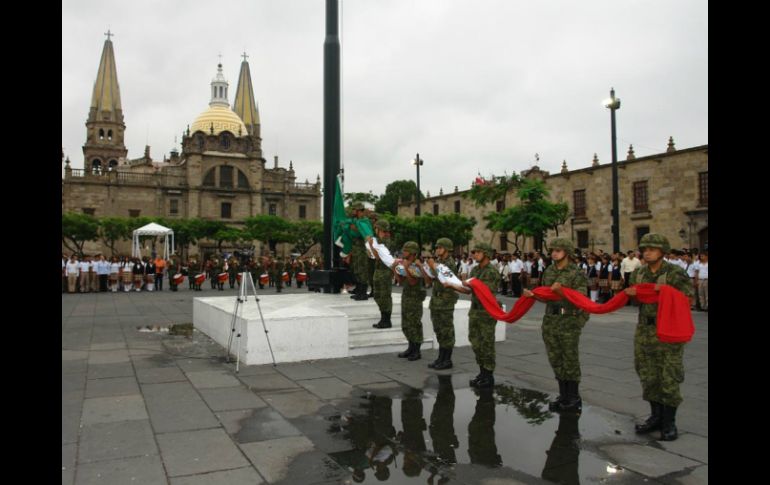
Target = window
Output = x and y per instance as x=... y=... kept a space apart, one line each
x=640 y=196
x=302 y=212
x=227 y=208
x=224 y=141
x=89 y=210
x=109 y=135
x=226 y=176
x=641 y=231
x=243 y=182
x=201 y=142
x=101 y=134
x=457 y=207
x=134 y=212
x=582 y=239
x=500 y=205
x=113 y=164
x=435 y=209
x=208 y=180
x=703 y=188
x=173 y=207
x=503 y=240
x=96 y=167
x=579 y=201
x=271 y=210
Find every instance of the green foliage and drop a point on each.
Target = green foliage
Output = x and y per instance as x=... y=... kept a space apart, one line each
x=112 y=230
x=77 y=229
x=306 y=235
x=493 y=189
x=395 y=193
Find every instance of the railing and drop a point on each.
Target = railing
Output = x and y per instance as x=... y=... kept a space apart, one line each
x=127 y=178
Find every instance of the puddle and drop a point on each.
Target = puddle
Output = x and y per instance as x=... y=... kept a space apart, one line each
x=443 y=435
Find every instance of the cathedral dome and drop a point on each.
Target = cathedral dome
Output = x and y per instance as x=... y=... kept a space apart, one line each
x=222 y=118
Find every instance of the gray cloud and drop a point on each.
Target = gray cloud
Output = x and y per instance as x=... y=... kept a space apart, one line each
x=470 y=85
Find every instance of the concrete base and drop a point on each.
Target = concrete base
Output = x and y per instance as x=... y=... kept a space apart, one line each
x=316 y=326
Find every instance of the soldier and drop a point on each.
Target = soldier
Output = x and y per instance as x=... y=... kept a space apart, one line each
x=232 y=272
x=219 y=268
x=211 y=272
x=289 y=271
x=275 y=272
x=442 y=306
x=562 y=325
x=383 y=279
x=371 y=261
x=658 y=364
x=411 y=303
x=481 y=326
x=194 y=271
x=358 y=256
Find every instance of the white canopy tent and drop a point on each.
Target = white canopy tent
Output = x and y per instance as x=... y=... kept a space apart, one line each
x=152 y=229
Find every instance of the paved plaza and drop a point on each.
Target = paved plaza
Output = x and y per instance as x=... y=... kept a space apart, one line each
x=145 y=402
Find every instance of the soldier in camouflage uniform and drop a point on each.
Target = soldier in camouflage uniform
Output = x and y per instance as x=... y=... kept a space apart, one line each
x=358 y=256
x=658 y=364
x=562 y=325
x=382 y=280
x=276 y=270
x=232 y=271
x=411 y=303
x=481 y=326
x=219 y=266
x=442 y=306
x=290 y=271
x=371 y=262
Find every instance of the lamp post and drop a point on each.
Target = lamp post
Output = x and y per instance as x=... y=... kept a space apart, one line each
x=613 y=104
x=417 y=161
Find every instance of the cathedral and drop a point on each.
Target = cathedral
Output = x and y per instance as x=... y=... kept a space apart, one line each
x=220 y=174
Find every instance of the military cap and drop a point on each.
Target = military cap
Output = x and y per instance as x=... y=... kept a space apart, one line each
x=563 y=243
x=482 y=246
x=446 y=243
x=654 y=240
x=411 y=246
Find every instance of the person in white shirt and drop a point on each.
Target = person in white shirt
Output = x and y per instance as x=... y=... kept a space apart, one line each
x=93 y=276
x=516 y=267
x=114 y=267
x=73 y=271
x=103 y=270
x=702 y=281
x=505 y=271
x=85 y=266
x=627 y=266
x=691 y=269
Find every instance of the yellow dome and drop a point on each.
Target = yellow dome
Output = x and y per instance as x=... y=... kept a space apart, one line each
x=223 y=119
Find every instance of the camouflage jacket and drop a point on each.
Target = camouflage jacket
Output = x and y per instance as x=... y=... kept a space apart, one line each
x=667 y=274
x=571 y=277
x=490 y=277
x=443 y=298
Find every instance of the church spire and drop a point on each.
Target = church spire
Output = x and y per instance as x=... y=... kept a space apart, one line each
x=106 y=95
x=219 y=87
x=245 y=105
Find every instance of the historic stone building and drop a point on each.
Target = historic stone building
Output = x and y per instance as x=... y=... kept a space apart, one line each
x=220 y=174
x=665 y=193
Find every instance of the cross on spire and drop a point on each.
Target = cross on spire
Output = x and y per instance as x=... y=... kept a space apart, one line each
x=220 y=58
x=244 y=56
x=108 y=34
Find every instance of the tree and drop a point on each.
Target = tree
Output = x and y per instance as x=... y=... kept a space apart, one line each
x=352 y=197
x=456 y=227
x=533 y=217
x=186 y=232
x=77 y=229
x=486 y=191
x=228 y=234
x=306 y=235
x=270 y=229
x=112 y=230
x=395 y=193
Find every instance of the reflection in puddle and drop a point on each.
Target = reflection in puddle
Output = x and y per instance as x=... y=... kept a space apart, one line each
x=507 y=432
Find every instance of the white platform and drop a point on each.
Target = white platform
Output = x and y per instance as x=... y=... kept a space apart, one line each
x=309 y=326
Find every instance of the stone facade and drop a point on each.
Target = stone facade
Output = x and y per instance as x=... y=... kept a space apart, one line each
x=674 y=186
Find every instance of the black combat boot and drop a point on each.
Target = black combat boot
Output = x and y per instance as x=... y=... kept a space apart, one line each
x=356 y=291
x=447 y=362
x=487 y=380
x=475 y=381
x=384 y=321
x=668 y=431
x=407 y=352
x=572 y=403
x=654 y=421
x=554 y=405
x=439 y=359
x=362 y=296
x=415 y=355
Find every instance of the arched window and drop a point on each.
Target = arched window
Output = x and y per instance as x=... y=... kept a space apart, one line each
x=201 y=142
x=112 y=164
x=224 y=141
x=243 y=182
x=96 y=166
x=101 y=134
x=109 y=135
x=208 y=180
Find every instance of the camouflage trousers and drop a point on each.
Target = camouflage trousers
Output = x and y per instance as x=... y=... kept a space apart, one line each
x=371 y=265
x=411 y=317
x=481 y=333
x=443 y=327
x=277 y=280
x=659 y=366
x=358 y=263
x=382 y=284
x=561 y=335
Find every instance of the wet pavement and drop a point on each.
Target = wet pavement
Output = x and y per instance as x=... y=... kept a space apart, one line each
x=144 y=400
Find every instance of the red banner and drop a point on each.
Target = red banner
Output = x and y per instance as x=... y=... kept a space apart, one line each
x=674 y=319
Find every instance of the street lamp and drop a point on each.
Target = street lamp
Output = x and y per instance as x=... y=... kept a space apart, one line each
x=417 y=161
x=613 y=104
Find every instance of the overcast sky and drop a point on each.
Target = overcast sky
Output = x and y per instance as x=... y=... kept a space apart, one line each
x=472 y=86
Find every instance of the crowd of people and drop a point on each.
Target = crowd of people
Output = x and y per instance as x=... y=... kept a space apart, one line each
x=93 y=274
